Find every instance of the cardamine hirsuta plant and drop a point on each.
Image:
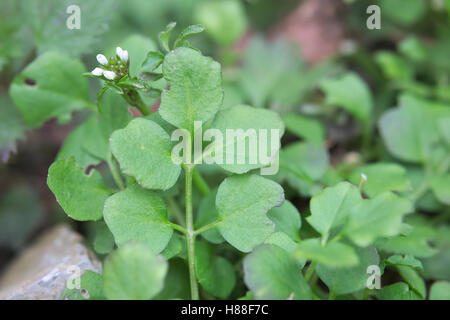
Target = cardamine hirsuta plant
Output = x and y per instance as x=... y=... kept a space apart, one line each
x=238 y=237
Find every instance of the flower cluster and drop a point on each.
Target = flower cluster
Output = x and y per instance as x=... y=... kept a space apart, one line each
x=114 y=68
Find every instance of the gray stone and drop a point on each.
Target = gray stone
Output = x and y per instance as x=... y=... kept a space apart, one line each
x=41 y=271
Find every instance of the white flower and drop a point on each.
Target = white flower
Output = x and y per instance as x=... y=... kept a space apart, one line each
x=363 y=176
x=122 y=54
x=102 y=59
x=110 y=75
x=97 y=72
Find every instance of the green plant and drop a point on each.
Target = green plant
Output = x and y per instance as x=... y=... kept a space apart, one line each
x=371 y=182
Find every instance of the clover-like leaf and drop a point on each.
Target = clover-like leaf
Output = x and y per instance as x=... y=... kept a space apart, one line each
x=440 y=184
x=225 y=21
x=440 y=290
x=81 y=196
x=344 y=280
x=254 y=142
x=143 y=150
x=309 y=129
x=381 y=177
x=351 y=93
x=415 y=244
x=51 y=86
x=271 y=273
x=377 y=217
x=101 y=237
x=133 y=272
x=331 y=208
x=287 y=219
x=333 y=254
x=89 y=142
x=242 y=203
x=138 y=215
x=303 y=161
x=396 y=291
x=407 y=260
x=215 y=273
x=195 y=92
x=410 y=131
x=282 y=240
x=91 y=288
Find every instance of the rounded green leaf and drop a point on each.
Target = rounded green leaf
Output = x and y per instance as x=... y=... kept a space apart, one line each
x=333 y=254
x=407 y=260
x=133 y=272
x=195 y=92
x=51 y=86
x=396 y=291
x=303 y=161
x=330 y=208
x=396 y=10
x=250 y=126
x=271 y=273
x=287 y=219
x=440 y=184
x=225 y=21
x=304 y=127
x=381 y=177
x=91 y=288
x=440 y=290
x=351 y=93
x=138 y=215
x=143 y=150
x=351 y=279
x=378 y=217
x=242 y=203
x=215 y=273
x=81 y=196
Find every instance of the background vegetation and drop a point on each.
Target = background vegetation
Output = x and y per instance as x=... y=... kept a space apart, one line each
x=353 y=101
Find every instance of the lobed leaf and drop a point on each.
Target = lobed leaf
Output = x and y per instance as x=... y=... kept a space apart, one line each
x=51 y=86
x=242 y=203
x=81 y=196
x=133 y=272
x=138 y=215
x=271 y=273
x=195 y=93
x=143 y=150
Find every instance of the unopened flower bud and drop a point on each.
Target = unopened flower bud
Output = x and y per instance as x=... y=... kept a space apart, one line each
x=110 y=75
x=102 y=59
x=122 y=54
x=97 y=72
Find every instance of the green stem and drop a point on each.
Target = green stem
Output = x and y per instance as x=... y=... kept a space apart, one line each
x=310 y=270
x=190 y=235
x=207 y=227
x=178 y=227
x=200 y=183
x=134 y=99
x=332 y=294
x=115 y=171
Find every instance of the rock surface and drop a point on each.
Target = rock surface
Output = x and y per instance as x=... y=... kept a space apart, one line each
x=41 y=271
